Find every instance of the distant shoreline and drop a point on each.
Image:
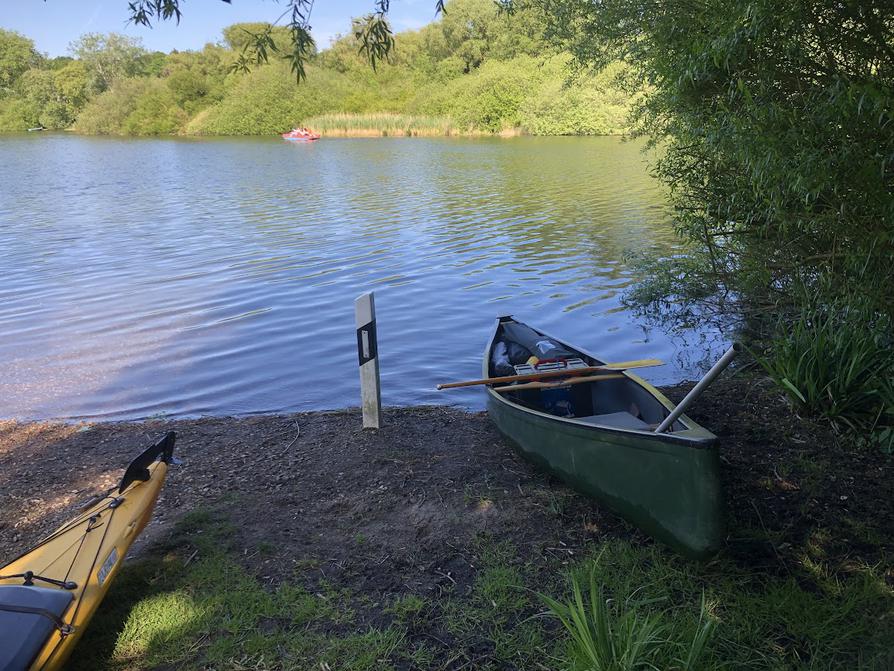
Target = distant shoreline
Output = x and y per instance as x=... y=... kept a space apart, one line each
x=355 y=133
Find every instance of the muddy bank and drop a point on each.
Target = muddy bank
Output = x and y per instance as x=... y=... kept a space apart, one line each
x=315 y=487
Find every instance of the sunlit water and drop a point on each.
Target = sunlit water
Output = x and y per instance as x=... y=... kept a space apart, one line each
x=192 y=277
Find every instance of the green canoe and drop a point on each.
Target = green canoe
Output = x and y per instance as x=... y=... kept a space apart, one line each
x=605 y=446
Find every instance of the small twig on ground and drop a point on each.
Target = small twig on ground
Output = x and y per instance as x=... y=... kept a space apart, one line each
x=767 y=532
x=297 y=435
x=190 y=558
x=446 y=575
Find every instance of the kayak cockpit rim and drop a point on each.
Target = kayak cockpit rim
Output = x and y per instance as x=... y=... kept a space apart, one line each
x=689 y=434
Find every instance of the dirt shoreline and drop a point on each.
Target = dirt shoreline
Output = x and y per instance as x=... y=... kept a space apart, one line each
x=315 y=484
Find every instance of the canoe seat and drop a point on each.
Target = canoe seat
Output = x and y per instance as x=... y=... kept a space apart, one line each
x=620 y=420
x=22 y=635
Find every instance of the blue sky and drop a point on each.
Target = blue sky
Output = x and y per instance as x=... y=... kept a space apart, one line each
x=53 y=24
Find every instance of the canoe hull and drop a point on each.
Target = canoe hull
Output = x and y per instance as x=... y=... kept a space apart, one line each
x=668 y=485
x=671 y=492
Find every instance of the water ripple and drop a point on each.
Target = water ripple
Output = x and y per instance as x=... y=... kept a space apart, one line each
x=191 y=277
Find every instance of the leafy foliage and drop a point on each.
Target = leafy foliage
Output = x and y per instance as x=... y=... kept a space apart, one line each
x=777 y=131
x=834 y=361
x=109 y=58
x=373 y=30
x=475 y=70
x=108 y=113
x=17 y=56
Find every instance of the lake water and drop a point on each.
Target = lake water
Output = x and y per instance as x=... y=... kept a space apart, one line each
x=192 y=277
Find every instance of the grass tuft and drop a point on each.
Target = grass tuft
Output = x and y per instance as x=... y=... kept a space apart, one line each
x=836 y=363
x=614 y=635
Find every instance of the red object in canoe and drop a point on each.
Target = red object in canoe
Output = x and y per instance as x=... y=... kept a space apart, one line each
x=300 y=135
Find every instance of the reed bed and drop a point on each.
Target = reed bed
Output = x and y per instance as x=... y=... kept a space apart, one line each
x=380 y=125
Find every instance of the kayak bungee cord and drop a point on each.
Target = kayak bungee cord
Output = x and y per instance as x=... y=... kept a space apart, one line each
x=80 y=598
x=63 y=627
x=31 y=576
x=64 y=529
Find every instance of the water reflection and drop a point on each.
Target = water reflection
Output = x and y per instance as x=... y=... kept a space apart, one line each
x=217 y=276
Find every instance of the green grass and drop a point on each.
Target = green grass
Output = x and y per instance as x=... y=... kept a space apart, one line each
x=191 y=604
x=379 y=125
x=835 y=362
x=659 y=609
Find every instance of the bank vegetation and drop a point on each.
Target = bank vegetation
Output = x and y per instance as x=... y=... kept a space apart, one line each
x=475 y=70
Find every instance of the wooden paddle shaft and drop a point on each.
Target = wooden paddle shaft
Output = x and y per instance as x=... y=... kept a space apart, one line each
x=553 y=385
x=565 y=372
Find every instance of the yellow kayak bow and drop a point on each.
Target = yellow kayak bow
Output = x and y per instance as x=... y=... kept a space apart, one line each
x=49 y=594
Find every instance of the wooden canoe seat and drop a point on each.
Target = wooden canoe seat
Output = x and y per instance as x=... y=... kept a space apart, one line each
x=620 y=420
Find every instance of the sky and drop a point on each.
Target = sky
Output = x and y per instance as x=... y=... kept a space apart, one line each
x=54 y=24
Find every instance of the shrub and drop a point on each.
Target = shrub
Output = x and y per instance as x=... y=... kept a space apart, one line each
x=589 y=104
x=835 y=361
x=107 y=113
x=488 y=100
x=155 y=112
x=14 y=115
x=267 y=101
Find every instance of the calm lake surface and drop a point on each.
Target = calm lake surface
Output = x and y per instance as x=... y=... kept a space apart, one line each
x=192 y=277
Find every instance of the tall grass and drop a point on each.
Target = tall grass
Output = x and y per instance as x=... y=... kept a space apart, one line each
x=614 y=635
x=381 y=124
x=836 y=362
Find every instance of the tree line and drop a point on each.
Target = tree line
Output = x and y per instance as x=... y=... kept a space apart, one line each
x=482 y=70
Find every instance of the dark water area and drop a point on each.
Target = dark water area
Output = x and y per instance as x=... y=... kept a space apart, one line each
x=193 y=277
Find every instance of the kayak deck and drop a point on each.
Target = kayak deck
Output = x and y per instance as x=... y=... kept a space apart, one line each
x=49 y=594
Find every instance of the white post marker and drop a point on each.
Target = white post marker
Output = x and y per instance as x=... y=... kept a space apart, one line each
x=367 y=349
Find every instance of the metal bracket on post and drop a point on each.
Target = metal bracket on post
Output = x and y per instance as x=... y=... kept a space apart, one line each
x=368 y=350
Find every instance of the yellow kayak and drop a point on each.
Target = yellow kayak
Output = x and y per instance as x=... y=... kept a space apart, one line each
x=49 y=594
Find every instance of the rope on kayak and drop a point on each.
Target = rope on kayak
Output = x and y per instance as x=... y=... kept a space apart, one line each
x=92 y=524
x=31 y=576
x=64 y=628
x=68 y=527
x=102 y=540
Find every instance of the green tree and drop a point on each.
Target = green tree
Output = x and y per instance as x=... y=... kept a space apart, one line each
x=53 y=98
x=777 y=131
x=106 y=113
x=17 y=56
x=13 y=115
x=187 y=87
x=570 y=103
x=155 y=112
x=109 y=58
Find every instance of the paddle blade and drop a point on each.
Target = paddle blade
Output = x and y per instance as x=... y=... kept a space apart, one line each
x=638 y=363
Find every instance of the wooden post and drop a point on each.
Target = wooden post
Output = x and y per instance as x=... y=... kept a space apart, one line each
x=367 y=349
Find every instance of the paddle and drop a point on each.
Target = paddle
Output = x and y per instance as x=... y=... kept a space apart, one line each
x=560 y=383
x=565 y=372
